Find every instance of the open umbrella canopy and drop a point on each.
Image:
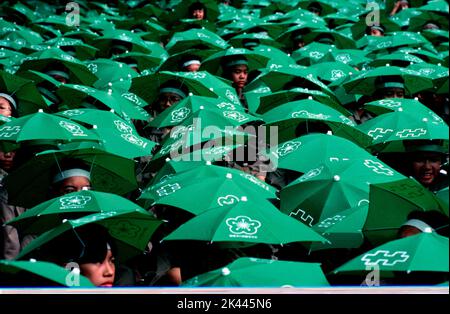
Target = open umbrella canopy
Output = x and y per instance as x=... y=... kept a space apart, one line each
x=396 y=40
x=118 y=136
x=390 y=130
x=79 y=96
x=343 y=230
x=312 y=53
x=44 y=126
x=214 y=64
x=391 y=202
x=338 y=39
x=290 y=115
x=334 y=186
x=131 y=229
x=413 y=106
x=210 y=110
x=34 y=273
x=51 y=213
x=438 y=74
x=242 y=223
x=219 y=186
x=75 y=47
x=253 y=39
x=28 y=98
x=199 y=83
x=194 y=38
x=143 y=61
x=254 y=272
x=51 y=59
x=307 y=151
x=418 y=253
x=364 y=82
x=176 y=61
x=289 y=77
x=332 y=73
x=29 y=184
x=272 y=100
x=111 y=74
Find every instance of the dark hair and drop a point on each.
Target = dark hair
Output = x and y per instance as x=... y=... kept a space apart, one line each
x=197 y=6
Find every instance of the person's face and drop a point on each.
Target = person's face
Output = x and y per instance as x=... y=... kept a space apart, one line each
x=5 y=107
x=426 y=167
x=167 y=100
x=394 y=93
x=198 y=14
x=315 y=10
x=7 y=160
x=239 y=75
x=376 y=32
x=73 y=184
x=101 y=274
x=407 y=231
x=192 y=68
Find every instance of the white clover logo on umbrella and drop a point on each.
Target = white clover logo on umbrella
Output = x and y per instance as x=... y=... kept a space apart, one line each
x=288 y=148
x=123 y=127
x=124 y=228
x=235 y=115
x=243 y=226
x=133 y=139
x=378 y=167
x=180 y=115
x=77 y=201
x=8 y=131
x=72 y=128
x=411 y=133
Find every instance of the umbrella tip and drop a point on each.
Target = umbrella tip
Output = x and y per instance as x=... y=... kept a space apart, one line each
x=244 y=199
x=32 y=260
x=226 y=271
x=40 y=110
x=336 y=178
x=229 y=176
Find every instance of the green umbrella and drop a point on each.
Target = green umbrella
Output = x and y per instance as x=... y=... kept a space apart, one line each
x=181 y=10
x=364 y=82
x=119 y=137
x=187 y=24
x=276 y=56
x=338 y=39
x=75 y=47
x=278 y=7
x=303 y=26
x=24 y=37
x=289 y=115
x=332 y=73
x=205 y=187
x=49 y=214
x=312 y=53
x=310 y=150
x=436 y=36
x=396 y=40
x=57 y=22
x=253 y=272
x=423 y=54
x=277 y=79
x=443 y=195
x=45 y=60
x=403 y=17
x=417 y=22
x=418 y=253
x=273 y=100
x=343 y=230
x=175 y=62
x=20 y=13
x=74 y=95
x=143 y=61
x=111 y=74
x=37 y=273
x=253 y=39
x=413 y=106
x=28 y=184
x=438 y=74
x=173 y=167
x=27 y=96
x=243 y=223
x=326 y=8
x=128 y=41
x=193 y=38
x=44 y=126
x=210 y=110
x=388 y=131
x=352 y=57
x=214 y=63
x=396 y=59
x=359 y=28
x=391 y=202
x=199 y=83
x=131 y=229
x=333 y=186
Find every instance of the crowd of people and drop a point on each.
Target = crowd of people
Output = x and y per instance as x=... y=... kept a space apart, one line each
x=107 y=97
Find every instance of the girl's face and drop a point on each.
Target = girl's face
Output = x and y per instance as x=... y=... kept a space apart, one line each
x=5 y=107
x=101 y=274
